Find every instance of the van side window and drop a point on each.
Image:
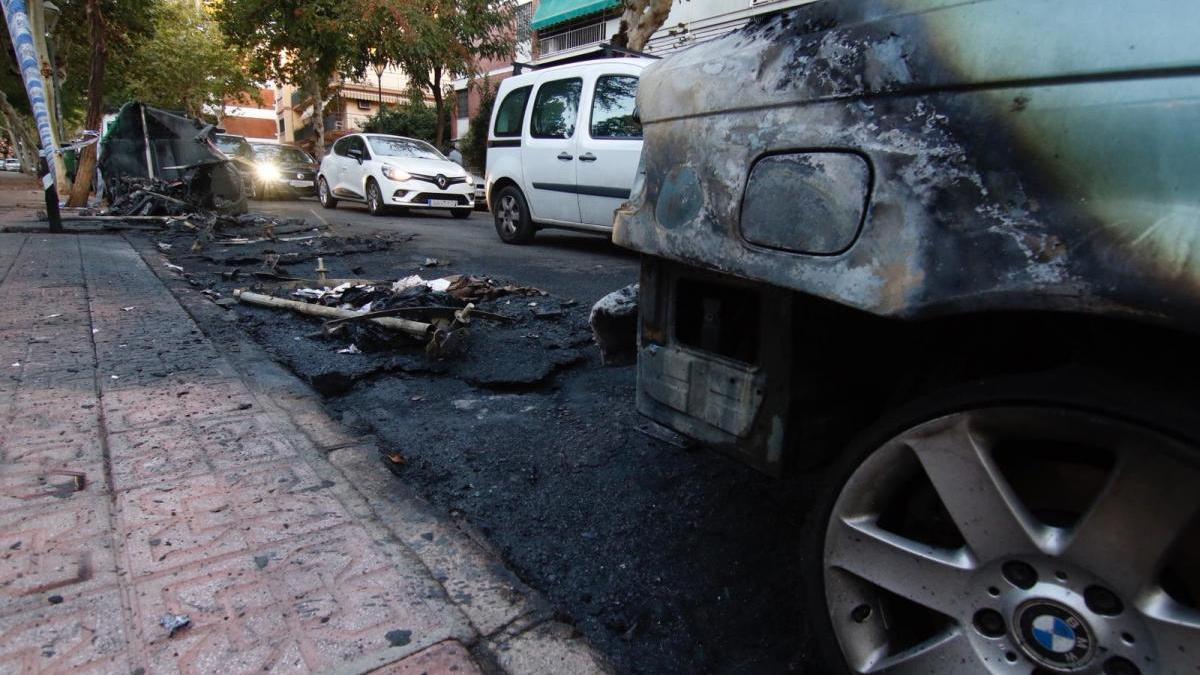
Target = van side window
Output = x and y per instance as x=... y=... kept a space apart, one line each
x=614 y=108
x=556 y=109
x=512 y=112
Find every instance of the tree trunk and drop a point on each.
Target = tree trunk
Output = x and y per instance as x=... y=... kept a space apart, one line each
x=95 y=108
x=639 y=21
x=318 y=117
x=439 y=133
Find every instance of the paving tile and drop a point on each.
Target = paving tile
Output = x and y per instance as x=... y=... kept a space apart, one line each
x=66 y=551
x=209 y=516
x=146 y=405
x=84 y=635
x=441 y=659
x=305 y=603
x=156 y=456
x=26 y=486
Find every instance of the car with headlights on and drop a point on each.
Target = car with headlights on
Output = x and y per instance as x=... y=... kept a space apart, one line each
x=283 y=171
x=393 y=172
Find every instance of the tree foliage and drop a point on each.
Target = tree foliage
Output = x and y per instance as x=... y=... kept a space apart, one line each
x=475 y=148
x=435 y=40
x=413 y=119
x=189 y=64
x=299 y=42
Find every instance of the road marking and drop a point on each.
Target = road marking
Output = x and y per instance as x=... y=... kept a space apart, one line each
x=319 y=216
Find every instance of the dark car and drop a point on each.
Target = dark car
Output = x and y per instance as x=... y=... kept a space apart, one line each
x=945 y=256
x=283 y=171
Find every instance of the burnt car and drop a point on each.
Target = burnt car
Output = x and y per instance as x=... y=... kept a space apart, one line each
x=283 y=171
x=241 y=157
x=945 y=256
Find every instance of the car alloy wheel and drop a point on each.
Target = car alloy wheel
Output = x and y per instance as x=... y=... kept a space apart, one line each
x=374 y=199
x=323 y=195
x=1018 y=540
x=508 y=214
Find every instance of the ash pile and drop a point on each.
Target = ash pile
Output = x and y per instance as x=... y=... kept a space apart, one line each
x=334 y=331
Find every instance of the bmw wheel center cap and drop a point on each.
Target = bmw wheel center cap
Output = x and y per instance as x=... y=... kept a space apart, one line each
x=1054 y=636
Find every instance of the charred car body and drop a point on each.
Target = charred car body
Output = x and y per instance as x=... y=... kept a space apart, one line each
x=946 y=253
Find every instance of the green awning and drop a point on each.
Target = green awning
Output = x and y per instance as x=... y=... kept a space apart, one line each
x=551 y=12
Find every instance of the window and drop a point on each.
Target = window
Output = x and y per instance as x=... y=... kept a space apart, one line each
x=363 y=105
x=512 y=112
x=525 y=22
x=463 y=104
x=282 y=127
x=356 y=143
x=556 y=109
x=342 y=147
x=614 y=108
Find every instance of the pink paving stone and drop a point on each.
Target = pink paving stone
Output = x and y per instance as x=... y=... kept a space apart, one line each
x=306 y=603
x=25 y=486
x=156 y=455
x=65 y=551
x=231 y=443
x=148 y=405
x=72 y=451
x=204 y=517
x=83 y=635
x=441 y=659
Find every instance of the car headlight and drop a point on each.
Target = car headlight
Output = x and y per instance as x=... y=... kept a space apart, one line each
x=268 y=172
x=392 y=173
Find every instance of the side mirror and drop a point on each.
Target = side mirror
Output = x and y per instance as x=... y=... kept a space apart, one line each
x=355 y=153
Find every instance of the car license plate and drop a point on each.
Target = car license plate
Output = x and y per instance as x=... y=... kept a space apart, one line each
x=299 y=183
x=442 y=202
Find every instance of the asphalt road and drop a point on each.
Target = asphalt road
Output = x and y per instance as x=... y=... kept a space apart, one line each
x=668 y=560
x=583 y=266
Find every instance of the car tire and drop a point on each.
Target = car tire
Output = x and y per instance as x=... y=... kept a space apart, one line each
x=512 y=219
x=375 y=203
x=324 y=195
x=462 y=214
x=1109 y=471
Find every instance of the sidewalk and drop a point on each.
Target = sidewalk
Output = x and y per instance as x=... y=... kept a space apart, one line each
x=144 y=474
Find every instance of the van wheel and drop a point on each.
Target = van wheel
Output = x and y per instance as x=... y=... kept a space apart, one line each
x=324 y=195
x=375 y=199
x=513 y=223
x=1015 y=527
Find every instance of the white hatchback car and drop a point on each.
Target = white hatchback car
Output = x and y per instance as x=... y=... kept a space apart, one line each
x=393 y=171
x=569 y=159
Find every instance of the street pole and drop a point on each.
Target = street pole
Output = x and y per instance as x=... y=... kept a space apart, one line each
x=16 y=16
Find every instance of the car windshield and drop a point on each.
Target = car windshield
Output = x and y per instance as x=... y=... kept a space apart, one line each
x=281 y=154
x=385 y=146
x=234 y=146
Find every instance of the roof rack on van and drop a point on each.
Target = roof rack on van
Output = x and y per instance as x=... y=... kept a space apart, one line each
x=607 y=51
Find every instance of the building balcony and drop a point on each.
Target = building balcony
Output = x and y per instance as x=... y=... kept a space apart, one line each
x=300 y=97
x=583 y=36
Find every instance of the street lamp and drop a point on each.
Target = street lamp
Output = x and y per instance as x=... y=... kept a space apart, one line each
x=379 y=64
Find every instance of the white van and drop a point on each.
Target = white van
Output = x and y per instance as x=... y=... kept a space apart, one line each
x=563 y=147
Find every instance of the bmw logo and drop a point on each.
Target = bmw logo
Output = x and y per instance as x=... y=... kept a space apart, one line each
x=1054 y=636
x=440 y=180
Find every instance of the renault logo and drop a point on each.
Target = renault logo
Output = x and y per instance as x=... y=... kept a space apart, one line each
x=441 y=181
